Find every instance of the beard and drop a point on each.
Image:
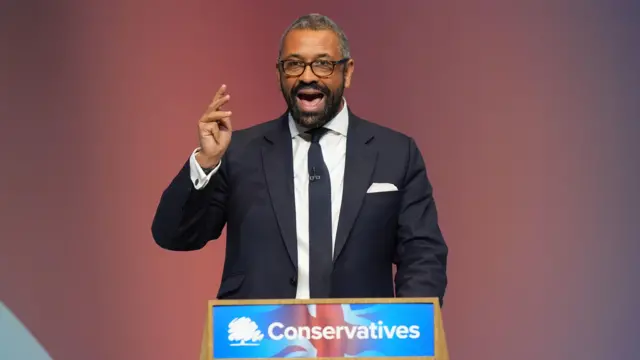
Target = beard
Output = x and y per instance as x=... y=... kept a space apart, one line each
x=332 y=104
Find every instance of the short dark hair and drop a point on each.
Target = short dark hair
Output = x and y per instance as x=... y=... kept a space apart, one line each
x=318 y=22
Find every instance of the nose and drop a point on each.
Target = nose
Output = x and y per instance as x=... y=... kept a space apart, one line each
x=307 y=75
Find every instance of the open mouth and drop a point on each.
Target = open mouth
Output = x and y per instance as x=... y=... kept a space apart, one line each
x=310 y=100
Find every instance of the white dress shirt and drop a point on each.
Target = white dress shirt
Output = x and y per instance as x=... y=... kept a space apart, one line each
x=334 y=150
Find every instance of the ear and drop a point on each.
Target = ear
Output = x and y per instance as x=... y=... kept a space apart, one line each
x=349 y=66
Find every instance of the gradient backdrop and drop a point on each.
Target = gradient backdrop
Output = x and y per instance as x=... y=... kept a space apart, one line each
x=528 y=115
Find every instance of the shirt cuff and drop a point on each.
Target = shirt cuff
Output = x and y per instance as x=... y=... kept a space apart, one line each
x=199 y=178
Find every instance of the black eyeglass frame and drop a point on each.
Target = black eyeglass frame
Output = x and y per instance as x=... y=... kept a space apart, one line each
x=333 y=63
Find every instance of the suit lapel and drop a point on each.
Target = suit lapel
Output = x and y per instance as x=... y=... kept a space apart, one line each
x=360 y=163
x=277 y=159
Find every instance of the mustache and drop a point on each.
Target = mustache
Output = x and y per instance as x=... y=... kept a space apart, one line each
x=309 y=86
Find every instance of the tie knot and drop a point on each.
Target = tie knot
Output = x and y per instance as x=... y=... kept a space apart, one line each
x=317 y=133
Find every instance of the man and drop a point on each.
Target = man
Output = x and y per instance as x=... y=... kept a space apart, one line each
x=318 y=203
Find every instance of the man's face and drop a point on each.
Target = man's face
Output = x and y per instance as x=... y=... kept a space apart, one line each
x=314 y=96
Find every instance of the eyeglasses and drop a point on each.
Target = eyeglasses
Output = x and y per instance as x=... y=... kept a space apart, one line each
x=321 y=68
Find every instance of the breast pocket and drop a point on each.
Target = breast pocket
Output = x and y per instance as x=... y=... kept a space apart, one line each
x=378 y=222
x=381 y=206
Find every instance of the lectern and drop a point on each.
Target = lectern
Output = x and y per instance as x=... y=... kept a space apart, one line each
x=390 y=328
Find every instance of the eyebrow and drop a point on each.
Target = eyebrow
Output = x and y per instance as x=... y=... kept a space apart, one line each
x=298 y=56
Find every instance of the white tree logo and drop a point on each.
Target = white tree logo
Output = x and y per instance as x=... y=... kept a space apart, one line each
x=244 y=329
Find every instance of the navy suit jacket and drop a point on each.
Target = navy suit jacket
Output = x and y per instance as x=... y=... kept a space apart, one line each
x=252 y=193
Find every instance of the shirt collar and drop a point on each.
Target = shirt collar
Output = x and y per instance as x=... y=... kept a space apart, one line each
x=339 y=124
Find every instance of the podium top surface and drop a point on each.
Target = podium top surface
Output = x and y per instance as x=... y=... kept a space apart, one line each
x=429 y=300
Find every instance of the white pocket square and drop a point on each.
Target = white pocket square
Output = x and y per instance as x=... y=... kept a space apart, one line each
x=381 y=187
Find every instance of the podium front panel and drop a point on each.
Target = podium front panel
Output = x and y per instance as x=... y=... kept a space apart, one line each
x=322 y=330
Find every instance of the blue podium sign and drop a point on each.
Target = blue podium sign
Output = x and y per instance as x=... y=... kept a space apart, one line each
x=261 y=330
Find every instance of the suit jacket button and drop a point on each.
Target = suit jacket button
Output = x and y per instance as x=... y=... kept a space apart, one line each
x=293 y=281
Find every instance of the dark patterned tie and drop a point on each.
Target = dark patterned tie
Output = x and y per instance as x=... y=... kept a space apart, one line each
x=320 y=234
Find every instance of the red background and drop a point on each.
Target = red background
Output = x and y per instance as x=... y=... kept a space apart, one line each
x=527 y=116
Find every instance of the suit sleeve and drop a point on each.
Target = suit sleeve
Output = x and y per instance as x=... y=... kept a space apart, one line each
x=421 y=252
x=192 y=209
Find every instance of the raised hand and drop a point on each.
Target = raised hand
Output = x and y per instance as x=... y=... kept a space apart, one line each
x=214 y=129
